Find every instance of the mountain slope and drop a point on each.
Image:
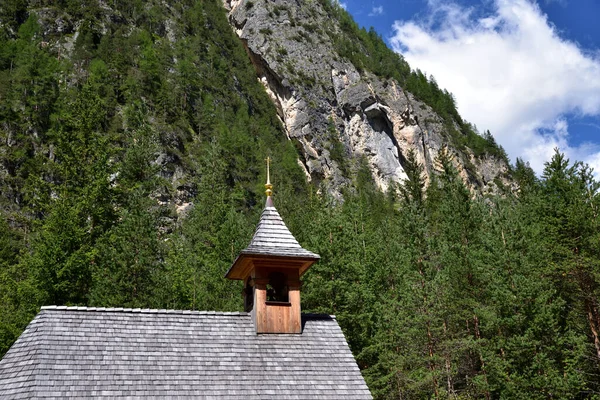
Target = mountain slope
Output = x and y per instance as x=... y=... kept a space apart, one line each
x=319 y=70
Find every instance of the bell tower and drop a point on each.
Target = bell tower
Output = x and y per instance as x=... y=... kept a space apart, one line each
x=271 y=267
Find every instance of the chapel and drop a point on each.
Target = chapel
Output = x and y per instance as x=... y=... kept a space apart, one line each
x=270 y=351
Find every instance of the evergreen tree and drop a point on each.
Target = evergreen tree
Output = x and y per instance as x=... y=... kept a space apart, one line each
x=412 y=190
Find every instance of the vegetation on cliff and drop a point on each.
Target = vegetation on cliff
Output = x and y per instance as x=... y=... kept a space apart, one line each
x=367 y=50
x=131 y=164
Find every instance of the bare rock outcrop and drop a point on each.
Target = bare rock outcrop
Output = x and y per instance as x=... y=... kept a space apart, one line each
x=324 y=101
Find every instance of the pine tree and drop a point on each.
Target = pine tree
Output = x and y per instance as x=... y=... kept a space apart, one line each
x=412 y=190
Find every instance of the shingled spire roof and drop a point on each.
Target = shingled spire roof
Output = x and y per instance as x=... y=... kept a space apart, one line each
x=272 y=238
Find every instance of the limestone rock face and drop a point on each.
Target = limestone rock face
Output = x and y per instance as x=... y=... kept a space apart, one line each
x=337 y=113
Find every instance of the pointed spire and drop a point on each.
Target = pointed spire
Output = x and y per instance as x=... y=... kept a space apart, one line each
x=268 y=186
x=272 y=238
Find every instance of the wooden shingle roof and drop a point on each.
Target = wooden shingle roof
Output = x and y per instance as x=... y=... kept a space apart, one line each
x=272 y=239
x=69 y=352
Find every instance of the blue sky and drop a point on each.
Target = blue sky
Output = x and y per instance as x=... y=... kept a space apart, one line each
x=529 y=71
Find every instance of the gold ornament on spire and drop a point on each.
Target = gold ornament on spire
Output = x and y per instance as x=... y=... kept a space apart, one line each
x=268 y=186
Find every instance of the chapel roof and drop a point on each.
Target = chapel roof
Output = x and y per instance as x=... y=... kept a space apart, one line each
x=142 y=353
x=272 y=238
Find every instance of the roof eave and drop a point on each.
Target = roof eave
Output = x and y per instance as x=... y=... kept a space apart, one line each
x=241 y=267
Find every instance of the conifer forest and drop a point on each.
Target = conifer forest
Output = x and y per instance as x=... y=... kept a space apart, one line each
x=132 y=180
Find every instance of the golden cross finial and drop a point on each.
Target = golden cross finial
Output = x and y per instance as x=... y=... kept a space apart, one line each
x=268 y=185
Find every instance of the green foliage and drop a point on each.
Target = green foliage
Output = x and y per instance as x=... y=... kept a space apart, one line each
x=524 y=176
x=11 y=244
x=12 y=14
x=336 y=148
x=413 y=189
x=479 y=303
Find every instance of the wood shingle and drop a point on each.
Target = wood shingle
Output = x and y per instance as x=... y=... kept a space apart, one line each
x=75 y=352
x=272 y=237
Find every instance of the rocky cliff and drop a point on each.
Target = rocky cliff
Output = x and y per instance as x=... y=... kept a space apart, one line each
x=339 y=113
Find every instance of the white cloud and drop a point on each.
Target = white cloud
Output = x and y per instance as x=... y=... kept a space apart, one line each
x=562 y=3
x=342 y=4
x=375 y=11
x=511 y=73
